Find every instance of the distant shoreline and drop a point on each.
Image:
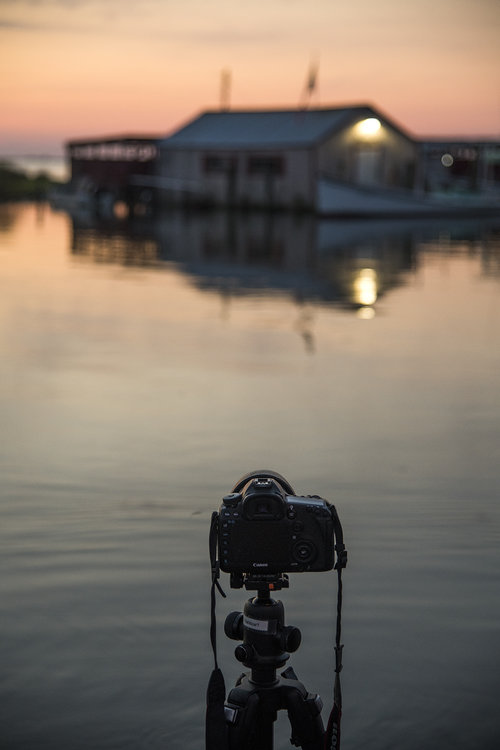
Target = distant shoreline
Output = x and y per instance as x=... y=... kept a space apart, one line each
x=34 y=164
x=17 y=184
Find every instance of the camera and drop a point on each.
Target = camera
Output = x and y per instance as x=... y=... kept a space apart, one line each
x=264 y=528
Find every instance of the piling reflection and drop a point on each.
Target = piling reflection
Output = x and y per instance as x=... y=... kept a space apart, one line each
x=344 y=263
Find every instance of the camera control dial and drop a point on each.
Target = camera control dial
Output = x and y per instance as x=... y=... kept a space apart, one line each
x=304 y=551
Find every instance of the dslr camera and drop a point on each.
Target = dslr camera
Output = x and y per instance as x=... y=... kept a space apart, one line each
x=265 y=529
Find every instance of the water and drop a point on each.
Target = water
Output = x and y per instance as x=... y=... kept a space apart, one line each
x=145 y=368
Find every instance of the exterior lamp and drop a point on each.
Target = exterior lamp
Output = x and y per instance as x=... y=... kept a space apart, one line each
x=369 y=127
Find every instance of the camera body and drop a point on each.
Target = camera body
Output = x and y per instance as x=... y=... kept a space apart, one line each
x=265 y=529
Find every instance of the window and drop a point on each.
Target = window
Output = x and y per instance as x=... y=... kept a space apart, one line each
x=266 y=165
x=219 y=164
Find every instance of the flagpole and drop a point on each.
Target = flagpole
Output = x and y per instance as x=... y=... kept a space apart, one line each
x=225 y=89
x=310 y=85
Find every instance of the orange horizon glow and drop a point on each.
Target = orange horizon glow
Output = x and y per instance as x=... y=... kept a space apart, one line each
x=86 y=68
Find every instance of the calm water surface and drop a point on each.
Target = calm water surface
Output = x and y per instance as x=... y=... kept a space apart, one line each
x=145 y=368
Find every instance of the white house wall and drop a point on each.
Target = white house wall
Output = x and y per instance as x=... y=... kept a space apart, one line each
x=183 y=172
x=386 y=158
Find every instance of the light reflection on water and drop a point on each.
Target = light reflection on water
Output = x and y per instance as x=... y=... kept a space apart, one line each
x=145 y=368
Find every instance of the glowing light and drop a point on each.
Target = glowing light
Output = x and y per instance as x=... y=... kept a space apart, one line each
x=366 y=313
x=365 y=287
x=368 y=127
x=120 y=210
x=447 y=160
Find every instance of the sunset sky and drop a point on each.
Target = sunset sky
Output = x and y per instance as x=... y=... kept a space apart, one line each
x=78 y=68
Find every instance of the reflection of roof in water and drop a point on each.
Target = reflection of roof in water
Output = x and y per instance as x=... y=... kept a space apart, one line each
x=243 y=279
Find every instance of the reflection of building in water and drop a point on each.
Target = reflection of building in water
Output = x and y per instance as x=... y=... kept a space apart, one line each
x=349 y=264
x=343 y=263
x=366 y=262
x=367 y=259
x=471 y=240
x=490 y=256
x=113 y=245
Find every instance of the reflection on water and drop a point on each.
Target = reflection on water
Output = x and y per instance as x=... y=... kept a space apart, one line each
x=146 y=367
x=340 y=262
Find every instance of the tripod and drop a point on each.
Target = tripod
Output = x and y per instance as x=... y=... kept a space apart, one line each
x=253 y=704
x=245 y=720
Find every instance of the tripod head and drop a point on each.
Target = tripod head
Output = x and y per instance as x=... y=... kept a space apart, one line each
x=267 y=641
x=259 y=583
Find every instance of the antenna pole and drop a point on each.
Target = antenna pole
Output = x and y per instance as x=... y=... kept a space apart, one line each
x=225 y=89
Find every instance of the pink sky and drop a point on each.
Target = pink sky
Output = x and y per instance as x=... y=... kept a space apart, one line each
x=78 y=68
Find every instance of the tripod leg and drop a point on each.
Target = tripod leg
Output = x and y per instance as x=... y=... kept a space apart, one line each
x=248 y=728
x=304 y=713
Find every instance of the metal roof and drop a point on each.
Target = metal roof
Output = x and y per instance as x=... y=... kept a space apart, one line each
x=263 y=128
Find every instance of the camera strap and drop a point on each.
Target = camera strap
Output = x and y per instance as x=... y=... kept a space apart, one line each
x=215 y=722
x=332 y=734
